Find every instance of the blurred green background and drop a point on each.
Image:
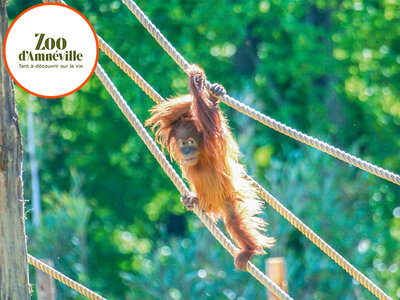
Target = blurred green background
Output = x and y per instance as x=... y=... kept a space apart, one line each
x=112 y=219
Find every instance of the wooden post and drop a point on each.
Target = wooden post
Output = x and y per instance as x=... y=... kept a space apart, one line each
x=14 y=276
x=275 y=268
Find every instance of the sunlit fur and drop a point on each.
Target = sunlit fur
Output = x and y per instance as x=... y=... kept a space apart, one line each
x=218 y=178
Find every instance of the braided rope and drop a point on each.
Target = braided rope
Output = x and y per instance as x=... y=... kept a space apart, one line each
x=120 y=62
x=152 y=146
x=288 y=215
x=157 y=35
x=180 y=185
x=325 y=247
x=313 y=237
x=269 y=198
x=64 y=279
x=256 y=115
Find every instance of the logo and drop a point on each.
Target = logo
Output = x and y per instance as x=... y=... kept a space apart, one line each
x=51 y=50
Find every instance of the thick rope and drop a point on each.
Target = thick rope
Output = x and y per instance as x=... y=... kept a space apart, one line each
x=319 y=242
x=64 y=279
x=152 y=146
x=180 y=185
x=157 y=35
x=256 y=115
x=325 y=247
x=119 y=61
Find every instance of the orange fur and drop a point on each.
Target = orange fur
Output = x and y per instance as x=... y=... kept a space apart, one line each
x=218 y=178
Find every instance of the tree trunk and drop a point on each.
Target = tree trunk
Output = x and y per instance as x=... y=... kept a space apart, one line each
x=13 y=253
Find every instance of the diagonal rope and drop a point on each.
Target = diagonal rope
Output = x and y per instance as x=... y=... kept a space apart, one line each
x=280 y=208
x=180 y=185
x=152 y=146
x=312 y=236
x=324 y=246
x=135 y=76
x=64 y=279
x=120 y=62
x=270 y=199
x=268 y=121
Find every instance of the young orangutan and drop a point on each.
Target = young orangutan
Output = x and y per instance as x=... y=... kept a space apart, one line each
x=197 y=136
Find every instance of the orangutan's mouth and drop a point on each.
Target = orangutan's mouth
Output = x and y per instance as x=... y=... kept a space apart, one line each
x=188 y=161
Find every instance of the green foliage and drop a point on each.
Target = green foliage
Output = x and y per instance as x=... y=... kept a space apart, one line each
x=328 y=68
x=62 y=235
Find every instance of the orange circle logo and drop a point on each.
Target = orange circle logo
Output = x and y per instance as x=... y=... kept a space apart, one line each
x=51 y=50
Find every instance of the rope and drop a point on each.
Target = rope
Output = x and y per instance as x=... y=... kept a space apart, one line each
x=120 y=62
x=288 y=215
x=180 y=185
x=313 y=237
x=64 y=279
x=152 y=146
x=325 y=247
x=157 y=35
x=256 y=115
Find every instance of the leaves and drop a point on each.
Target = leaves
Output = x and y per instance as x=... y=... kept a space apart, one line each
x=328 y=68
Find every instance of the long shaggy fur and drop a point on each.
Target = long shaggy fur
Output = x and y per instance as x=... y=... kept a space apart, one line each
x=218 y=178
